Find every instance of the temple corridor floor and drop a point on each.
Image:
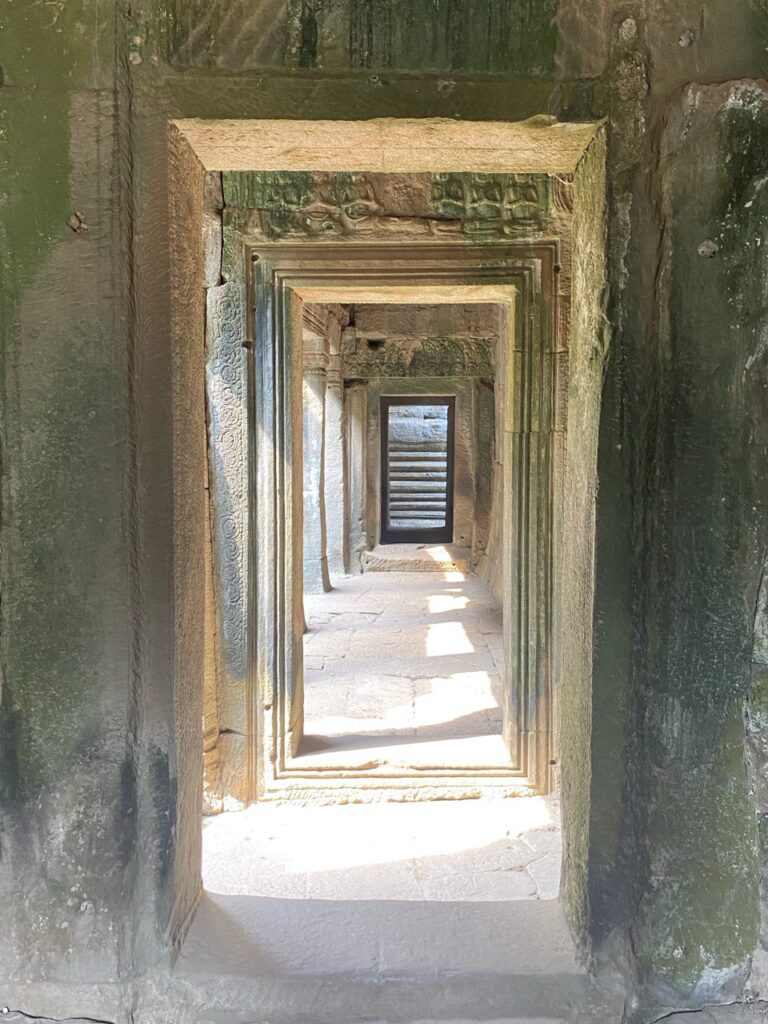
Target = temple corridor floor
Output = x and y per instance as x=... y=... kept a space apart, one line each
x=401 y=669
x=485 y=850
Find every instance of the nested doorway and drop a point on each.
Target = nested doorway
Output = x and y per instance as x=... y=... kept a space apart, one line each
x=417 y=469
x=292 y=239
x=496 y=227
x=403 y=650
x=518 y=281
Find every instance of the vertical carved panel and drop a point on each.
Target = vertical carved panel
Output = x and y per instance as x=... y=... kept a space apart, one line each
x=226 y=392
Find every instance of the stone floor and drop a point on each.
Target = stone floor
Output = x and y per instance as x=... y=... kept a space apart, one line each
x=402 y=669
x=424 y=911
x=444 y=850
x=440 y=911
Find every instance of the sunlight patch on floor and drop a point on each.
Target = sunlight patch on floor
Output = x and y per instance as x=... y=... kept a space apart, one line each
x=403 y=669
x=488 y=849
x=445 y=603
x=444 y=638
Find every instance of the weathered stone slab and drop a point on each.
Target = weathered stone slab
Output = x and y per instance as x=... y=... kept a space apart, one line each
x=416 y=558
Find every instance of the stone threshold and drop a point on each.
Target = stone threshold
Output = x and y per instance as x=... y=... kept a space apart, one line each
x=252 y=959
x=327 y=787
x=416 y=558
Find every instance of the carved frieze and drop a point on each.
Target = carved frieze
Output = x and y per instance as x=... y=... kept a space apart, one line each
x=324 y=205
x=420 y=357
x=493 y=206
x=273 y=205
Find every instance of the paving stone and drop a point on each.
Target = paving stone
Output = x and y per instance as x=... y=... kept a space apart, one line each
x=420 y=669
x=462 y=851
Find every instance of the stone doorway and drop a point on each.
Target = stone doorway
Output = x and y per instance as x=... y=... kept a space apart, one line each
x=291 y=239
x=404 y=663
x=286 y=284
x=523 y=302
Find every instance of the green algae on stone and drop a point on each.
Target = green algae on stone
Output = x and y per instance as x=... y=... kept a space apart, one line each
x=700 y=914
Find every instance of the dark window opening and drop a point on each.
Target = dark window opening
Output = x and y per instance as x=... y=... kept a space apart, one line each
x=417 y=447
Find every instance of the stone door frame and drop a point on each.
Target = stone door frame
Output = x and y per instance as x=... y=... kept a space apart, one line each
x=380 y=387
x=173 y=313
x=521 y=277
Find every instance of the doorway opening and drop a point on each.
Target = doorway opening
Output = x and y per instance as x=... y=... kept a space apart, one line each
x=417 y=448
x=504 y=375
x=448 y=215
x=404 y=672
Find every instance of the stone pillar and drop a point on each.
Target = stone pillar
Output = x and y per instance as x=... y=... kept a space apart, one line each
x=356 y=429
x=335 y=470
x=316 y=578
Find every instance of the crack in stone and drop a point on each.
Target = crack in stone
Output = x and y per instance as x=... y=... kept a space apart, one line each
x=14 y=1015
x=671 y=1014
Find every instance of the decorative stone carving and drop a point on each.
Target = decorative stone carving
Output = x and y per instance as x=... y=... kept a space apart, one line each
x=493 y=205
x=562 y=193
x=420 y=357
x=275 y=205
x=226 y=377
x=321 y=206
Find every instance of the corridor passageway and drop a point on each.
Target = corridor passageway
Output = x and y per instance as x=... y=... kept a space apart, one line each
x=402 y=670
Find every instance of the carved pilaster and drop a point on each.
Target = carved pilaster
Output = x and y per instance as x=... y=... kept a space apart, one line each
x=356 y=452
x=314 y=353
x=316 y=578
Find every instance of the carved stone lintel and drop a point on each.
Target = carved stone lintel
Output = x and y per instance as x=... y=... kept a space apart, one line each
x=323 y=205
x=422 y=357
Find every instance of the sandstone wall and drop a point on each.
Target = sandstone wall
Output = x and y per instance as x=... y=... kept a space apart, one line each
x=94 y=875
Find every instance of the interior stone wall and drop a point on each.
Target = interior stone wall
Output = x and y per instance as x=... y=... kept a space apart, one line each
x=88 y=773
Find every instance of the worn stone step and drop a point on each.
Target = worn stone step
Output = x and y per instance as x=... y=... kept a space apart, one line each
x=416 y=558
x=420 y=503
x=252 y=959
x=416 y=487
